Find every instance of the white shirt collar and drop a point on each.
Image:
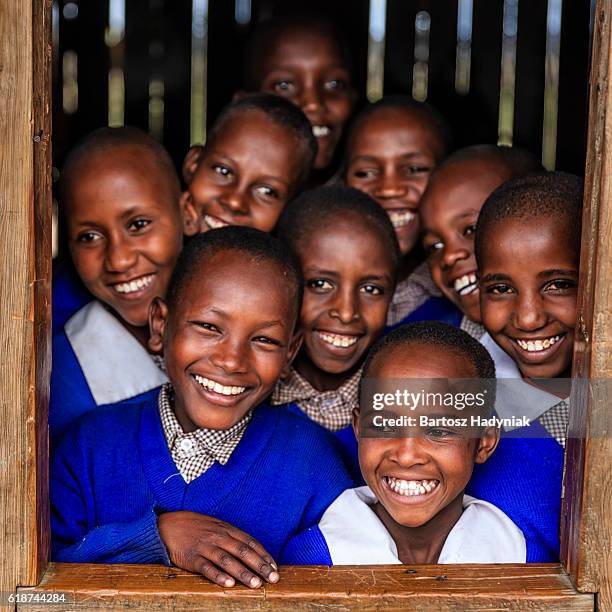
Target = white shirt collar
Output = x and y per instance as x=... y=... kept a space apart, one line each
x=515 y=397
x=114 y=364
x=356 y=536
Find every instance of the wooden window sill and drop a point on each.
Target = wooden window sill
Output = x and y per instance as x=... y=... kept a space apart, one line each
x=419 y=587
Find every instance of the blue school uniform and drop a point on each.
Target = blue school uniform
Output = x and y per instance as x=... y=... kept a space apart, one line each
x=350 y=533
x=523 y=477
x=68 y=294
x=434 y=309
x=113 y=474
x=97 y=362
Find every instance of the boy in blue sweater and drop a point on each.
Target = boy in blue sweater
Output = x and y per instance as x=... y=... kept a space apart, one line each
x=528 y=252
x=348 y=252
x=204 y=475
x=414 y=509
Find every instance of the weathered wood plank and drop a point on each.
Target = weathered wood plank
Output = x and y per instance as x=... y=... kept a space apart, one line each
x=587 y=521
x=25 y=253
x=448 y=587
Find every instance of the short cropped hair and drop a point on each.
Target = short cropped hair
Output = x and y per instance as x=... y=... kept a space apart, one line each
x=315 y=208
x=513 y=161
x=434 y=334
x=427 y=114
x=553 y=195
x=282 y=113
x=108 y=139
x=265 y=35
x=251 y=242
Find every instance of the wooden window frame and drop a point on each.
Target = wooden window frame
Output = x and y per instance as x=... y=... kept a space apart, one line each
x=582 y=579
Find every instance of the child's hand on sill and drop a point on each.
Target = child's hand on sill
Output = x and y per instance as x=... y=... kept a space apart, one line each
x=217 y=550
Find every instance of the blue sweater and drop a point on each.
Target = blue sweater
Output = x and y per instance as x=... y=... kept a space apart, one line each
x=68 y=293
x=523 y=478
x=434 y=309
x=347 y=444
x=112 y=474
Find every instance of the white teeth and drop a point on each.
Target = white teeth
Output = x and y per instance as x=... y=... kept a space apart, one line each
x=338 y=340
x=134 y=285
x=213 y=222
x=410 y=488
x=537 y=345
x=218 y=388
x=320 y=131
x=466 y=284
x=399 y=218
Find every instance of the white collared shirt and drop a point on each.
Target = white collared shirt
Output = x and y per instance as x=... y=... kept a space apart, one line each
x=115 y=365
x=356 y=536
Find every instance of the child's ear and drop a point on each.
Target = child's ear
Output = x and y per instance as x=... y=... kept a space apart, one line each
x=191 y=161
x=357 y=422
x=191 y=225
x=487 y=444
x=294 y=346
x=158 y=318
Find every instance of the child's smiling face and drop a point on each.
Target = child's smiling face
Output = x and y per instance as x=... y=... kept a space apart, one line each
x=449 y=211
x=423 y=476
x=390 y=157
x=226 y=339
x=306 y=66
x=124 y=230
x=529 y=285
x=245 y=175
x=349 y=280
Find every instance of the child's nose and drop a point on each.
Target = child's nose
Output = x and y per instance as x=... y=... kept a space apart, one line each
x=454 y=251
x=345 y=306
x=235 y=201
x=410 y=451
x=311 y=100
x=229 y=356
x=120 y=255
x=390 y=186
x=529 y=313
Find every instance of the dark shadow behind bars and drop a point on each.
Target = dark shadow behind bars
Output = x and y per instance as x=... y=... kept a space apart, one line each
x=144 y=63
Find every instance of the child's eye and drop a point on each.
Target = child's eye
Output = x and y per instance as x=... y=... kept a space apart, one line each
x=412 y=170
x=139 y=224
x=440 y=434
x=371 y=289
x=499 y=289
x=211 y=327
x=469 y=230
x=88 y=237
x=364 y=173
x=560 y=285
x=319 y=284
x=221 y=170
x=283 y=87
x=267 y=192
x=267 y=340
x=432 y=248
x=335 y=85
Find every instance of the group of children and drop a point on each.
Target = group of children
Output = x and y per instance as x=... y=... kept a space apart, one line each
x=211 y=343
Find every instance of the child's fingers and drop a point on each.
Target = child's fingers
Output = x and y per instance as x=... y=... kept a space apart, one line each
x=225 y=559
x=254 y=545
x=213 y=573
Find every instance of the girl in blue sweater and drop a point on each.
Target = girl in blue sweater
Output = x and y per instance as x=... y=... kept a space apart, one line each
x=349 y=254
x=205 y=475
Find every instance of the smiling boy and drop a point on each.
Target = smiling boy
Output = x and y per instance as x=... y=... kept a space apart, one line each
x=528 y=252
x=413 y=509
x=203 y=475
x=259 y=152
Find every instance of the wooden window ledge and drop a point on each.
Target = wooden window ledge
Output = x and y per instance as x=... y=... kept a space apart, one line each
x=419 y=587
